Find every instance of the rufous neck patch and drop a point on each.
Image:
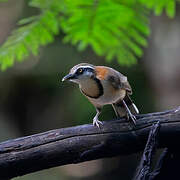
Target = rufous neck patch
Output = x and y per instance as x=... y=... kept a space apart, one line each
x=101 y=72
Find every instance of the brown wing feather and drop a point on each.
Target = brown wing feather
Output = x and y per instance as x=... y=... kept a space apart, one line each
x=123 y=84
x=127 y=87
x=118 y=80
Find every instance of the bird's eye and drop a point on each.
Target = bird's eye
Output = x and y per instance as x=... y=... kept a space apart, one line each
x=80 y=70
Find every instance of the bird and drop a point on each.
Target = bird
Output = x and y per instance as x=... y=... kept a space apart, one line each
x=103 y=85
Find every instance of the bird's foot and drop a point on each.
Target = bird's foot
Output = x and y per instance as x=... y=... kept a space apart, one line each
x=96 y=122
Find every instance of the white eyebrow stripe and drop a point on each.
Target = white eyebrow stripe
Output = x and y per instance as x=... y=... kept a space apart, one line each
x=86 y=67
x=82 y=67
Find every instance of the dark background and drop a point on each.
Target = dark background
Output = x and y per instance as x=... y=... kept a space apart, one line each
x=33 y=99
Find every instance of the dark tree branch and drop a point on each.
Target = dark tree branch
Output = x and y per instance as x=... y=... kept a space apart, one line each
x=144 y=167
x=168 y=165
x=82 y=143
x=159 y=164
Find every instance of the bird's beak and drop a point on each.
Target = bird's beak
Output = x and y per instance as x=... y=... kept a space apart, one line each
x=68 y=77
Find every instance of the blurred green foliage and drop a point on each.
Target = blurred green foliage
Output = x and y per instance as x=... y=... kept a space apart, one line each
x=113 y=28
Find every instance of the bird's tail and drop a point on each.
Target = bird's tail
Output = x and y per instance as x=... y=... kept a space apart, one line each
x=121 y=110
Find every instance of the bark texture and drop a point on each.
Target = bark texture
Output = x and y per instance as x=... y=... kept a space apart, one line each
x=86 y=142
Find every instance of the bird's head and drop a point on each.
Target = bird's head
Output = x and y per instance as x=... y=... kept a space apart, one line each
x=80 y=73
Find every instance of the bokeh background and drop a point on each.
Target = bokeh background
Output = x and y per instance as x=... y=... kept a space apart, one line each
x=33 y=99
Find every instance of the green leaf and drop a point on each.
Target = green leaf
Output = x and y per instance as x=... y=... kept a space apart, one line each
x=114 y=29
x=34 y=32
x=159 y=5
x=82 y=45
x=171 y=8
x=111 y=28
x=27 y=20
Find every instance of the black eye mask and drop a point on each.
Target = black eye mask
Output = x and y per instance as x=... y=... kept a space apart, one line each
x=84 y=70
x=80 y=71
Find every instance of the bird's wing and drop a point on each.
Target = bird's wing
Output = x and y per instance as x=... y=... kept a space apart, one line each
x=127 y=87
x=124 y=83
x=118 y=80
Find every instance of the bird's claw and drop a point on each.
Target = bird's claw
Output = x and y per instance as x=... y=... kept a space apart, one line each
x=97 y=123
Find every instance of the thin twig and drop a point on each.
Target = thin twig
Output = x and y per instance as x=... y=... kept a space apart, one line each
x=143 y=169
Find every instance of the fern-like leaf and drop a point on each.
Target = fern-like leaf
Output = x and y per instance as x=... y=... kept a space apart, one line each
x=160 y=5
x=34 y=32
x=112 y=28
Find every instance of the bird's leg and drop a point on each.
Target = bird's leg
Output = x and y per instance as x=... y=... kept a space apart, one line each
x=96 y=121
x=117 y=115
x=129 y=114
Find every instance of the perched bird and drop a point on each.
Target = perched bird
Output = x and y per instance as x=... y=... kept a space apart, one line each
x=103 y=85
